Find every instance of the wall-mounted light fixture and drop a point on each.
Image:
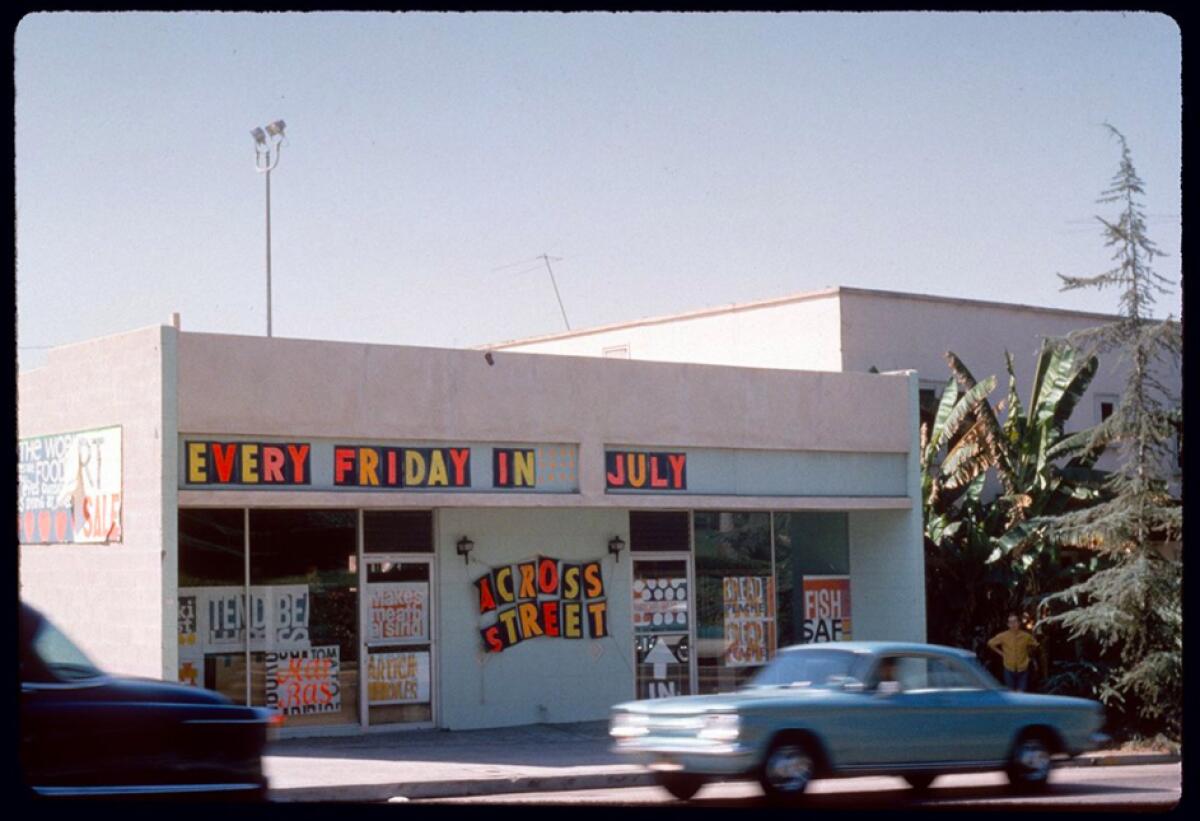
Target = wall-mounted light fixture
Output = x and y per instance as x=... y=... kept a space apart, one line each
x=464 y=548
x=615 y=545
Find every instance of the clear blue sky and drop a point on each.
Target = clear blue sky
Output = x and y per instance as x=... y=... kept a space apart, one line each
x=673 y=162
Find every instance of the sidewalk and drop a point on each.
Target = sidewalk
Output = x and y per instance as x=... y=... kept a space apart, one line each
x=441 y=764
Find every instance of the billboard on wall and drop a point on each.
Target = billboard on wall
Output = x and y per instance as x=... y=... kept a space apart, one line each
x=69 y=488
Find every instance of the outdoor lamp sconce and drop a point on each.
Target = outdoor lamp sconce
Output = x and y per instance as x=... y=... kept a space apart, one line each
x=464 y=548
x=615 y=545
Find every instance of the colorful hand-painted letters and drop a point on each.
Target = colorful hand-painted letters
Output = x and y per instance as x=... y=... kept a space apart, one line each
x=544 y=597
x=639 y=470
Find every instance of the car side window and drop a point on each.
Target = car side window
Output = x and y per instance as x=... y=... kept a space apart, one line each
x=945 y=674
x=899 y=673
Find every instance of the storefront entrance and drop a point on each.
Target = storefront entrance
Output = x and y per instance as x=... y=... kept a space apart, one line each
x=396 y=628
x=663 y=625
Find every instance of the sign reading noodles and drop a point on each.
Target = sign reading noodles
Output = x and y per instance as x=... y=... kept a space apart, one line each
x=398 y=610
x=398 y=678
x=826 y=609
x=304 y=682
x=749 y=620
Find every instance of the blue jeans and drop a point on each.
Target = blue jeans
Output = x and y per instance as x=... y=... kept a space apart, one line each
x=1016 y=681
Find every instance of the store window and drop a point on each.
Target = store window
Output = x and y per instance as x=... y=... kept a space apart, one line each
x=656 y=530
x=212 y=585
x=303 y=619
x=812 y=566
x=735 y=598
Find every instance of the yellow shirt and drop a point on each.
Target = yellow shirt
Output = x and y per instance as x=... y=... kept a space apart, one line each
x=1015 y=645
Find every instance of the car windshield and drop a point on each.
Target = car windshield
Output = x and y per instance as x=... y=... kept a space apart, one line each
x=809 y=668
x=60 y=655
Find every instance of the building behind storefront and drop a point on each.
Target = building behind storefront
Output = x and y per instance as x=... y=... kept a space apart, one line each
x=453 y=539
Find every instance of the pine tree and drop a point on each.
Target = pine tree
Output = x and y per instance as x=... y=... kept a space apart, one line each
x=1132 y=608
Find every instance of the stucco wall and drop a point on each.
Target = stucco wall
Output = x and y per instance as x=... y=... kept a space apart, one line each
x=110 y=598
x=542 y=679
x=804 y=335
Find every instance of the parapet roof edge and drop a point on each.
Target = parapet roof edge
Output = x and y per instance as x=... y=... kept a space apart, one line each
x=797 y=297
x=665 y=318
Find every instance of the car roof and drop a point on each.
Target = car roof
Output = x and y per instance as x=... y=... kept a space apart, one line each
x=882 y=647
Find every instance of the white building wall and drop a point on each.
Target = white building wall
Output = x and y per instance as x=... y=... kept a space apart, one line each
x=544 y=679
x=111 y=599
x=799 y=334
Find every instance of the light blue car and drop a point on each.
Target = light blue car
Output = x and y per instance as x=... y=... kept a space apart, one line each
x=856 y=708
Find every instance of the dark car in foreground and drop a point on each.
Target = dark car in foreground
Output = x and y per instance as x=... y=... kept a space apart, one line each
x=87 y=734
x=856 y=708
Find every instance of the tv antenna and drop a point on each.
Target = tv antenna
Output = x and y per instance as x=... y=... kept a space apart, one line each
x=546 y=259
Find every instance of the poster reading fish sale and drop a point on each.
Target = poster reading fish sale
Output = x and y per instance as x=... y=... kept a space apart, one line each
x=826 y=609
x=398 y=678
x=749 y=604
x=398 y=610
x=304 y=682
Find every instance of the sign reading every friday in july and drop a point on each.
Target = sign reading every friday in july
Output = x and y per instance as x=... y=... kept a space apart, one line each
x=212 y=463
x=542 y=598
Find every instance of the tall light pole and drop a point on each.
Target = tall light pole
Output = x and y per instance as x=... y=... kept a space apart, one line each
x=267 y=145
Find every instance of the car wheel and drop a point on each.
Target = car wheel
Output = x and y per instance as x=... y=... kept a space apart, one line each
x=1029 y=765
x=919 y=781
x=681 y=785
x=787 y=770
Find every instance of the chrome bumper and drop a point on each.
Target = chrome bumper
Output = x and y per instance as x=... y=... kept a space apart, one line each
x=688 y=755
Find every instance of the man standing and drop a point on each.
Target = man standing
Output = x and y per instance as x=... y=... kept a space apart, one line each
x=1014 y=645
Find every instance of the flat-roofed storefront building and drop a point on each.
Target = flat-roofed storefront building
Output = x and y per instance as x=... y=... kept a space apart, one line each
x=370 y=536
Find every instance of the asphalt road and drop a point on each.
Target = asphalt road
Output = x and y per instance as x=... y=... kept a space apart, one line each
x=1134 y=788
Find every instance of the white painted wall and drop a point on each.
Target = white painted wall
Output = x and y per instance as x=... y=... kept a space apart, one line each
x=111 y=599
x=544 y=679
x=801 y=334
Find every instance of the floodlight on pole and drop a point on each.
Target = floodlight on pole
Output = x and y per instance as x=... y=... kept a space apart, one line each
x=266 y=157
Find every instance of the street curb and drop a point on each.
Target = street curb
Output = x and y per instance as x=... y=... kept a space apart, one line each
x=1120 y=760
x=461 y=788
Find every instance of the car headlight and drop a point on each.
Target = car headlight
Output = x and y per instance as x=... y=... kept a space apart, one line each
x=628 y=725
x=720 y=727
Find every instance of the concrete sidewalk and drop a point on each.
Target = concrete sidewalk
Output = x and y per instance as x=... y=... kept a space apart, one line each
x=441 y=764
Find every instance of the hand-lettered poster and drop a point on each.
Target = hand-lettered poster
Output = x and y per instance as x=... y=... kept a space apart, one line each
x=398 y=610
x=303 y=682
x=660 y=605
x=69 y=488
x=662 y=665
x=213 y=619
x=398 y=678
x=826 y=609
x=749 y=603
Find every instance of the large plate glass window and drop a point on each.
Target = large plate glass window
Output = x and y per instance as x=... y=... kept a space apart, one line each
x=735 y=597
x=304 y=614
x=812 y=566
x=211 y=600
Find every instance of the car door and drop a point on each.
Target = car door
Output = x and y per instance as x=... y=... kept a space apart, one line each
x=902 y=721
x=980 y=720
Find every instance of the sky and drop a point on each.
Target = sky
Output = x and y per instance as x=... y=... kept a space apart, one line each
x=664 y=162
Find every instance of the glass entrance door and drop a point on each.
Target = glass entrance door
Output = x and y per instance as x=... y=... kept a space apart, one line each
x=397 y=640
x=662 y=626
